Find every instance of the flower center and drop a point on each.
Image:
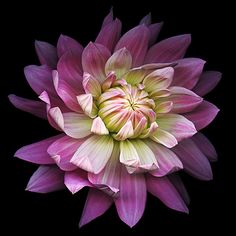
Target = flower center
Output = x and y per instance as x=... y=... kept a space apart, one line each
x=127 y=111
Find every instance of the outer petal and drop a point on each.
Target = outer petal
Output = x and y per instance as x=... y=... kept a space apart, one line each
x=37 y=152
x=40 y=79
x=34 y=107
x=108 y=179
x=203 y=115
x=94 y=58
x=167 y=161
x=194 y=161
x=163 y=189
x=132 y=199
x=205 y=146
x=169 y=50
x=187 y=72
x=136 y=41
x=183 y=100
x=154 y=32
x=108 y=19
x=66 y=44
x=62 y=151
x=76 y=180
x=109 y=34
x=94 y=153
x=207 y=82
x=179 y=185
x=77 y=125
x=47 y=53
x=120 y=62
x=46 y=179
x=97 y=203
x=177 y=125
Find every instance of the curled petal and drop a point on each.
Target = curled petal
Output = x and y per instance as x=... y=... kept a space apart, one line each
x=203 y=115
x=94 y=58
x=46 y=179
x=108 y=19
x=136 y=41
x=207 y=82
x=98 y=127
x=183 y=100
x=76 y=180
x=62 y=151
x=66 y=44
x=34 y=107
x=97 y=203
x=91 y=85
x=88 y=106
x=168 y=50
x=120 y=62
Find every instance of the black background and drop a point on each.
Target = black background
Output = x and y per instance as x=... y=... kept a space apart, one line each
x=212 y=204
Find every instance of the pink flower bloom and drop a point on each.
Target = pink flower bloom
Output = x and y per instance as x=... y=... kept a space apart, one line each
x=129 y=112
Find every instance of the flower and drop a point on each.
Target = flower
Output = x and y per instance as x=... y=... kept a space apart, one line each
x=128 y=112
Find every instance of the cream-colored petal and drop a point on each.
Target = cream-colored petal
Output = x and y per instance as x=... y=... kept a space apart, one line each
x=98 y=127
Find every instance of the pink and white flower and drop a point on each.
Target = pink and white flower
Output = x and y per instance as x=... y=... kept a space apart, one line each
x=128 y=112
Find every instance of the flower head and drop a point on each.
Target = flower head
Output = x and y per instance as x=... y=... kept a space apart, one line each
x=129 y=113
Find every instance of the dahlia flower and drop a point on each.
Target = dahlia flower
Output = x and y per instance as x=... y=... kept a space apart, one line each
x=128 y=112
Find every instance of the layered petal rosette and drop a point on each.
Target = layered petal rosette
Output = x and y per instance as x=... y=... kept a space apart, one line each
x=128 y=112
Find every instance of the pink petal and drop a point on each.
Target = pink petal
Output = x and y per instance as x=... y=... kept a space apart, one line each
x=183 y=100
x=97 y=203
x=37 y=152
x=177 y=125
x=108 y=180
x=77 y=125
x=120 y=62
x=154 y=32
x=94 y=58
x=131 y=202
x=98 y=127
x=147 y=20
x=179 y=185
x=109 y=34
x=36 y=108
x=66 y=92
x=203 y=115
x=167 y=161
x=136 y=41
x=46 y=179
x=62 y=151
x=108 y=19
x=91 y=85
x=168 y=50
x=187 y=72
x=163 y=189
x=205 y=146
x=76 y=180
x=194 y=161
x=94 y=153
x=67 y=44
x=40 y=79
x=207 y=82
x=47 y=53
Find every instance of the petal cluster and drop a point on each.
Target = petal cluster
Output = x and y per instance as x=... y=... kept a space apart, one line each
x=128 y=112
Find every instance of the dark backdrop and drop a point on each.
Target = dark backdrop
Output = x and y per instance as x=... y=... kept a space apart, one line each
x=211 y=26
